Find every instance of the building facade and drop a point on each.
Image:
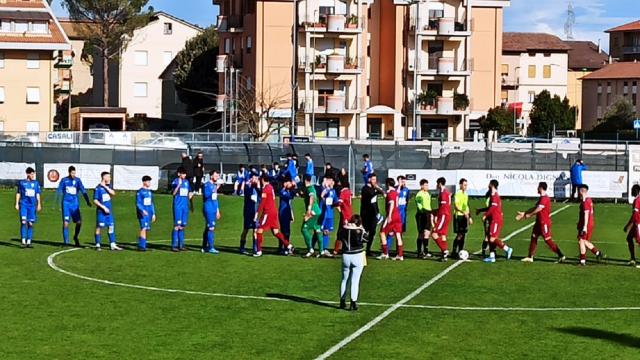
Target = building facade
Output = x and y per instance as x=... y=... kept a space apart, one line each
x=532 y=63
x=33 y=68
x=602 y=88
x=355 y=68
x=624 y=41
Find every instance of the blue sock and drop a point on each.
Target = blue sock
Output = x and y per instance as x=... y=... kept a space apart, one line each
x=174 y=239
x=211 y=236
x=97 y=237
x=23 y=231
x=112 y=237
x=142 y=243
x=65 y=234
x=390 y=242
x=325 y=241
x=29 y=232
x=181 y=237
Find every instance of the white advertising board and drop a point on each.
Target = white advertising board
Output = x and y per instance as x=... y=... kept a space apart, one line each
x=127 y=177
x=14 y=170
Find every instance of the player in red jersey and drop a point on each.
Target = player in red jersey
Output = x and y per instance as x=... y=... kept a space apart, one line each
x=542 y=227
x=585 y=226
x=268 y=213
x=392 y=223
x=443 y=216
x=346 y=212
x=494 y=215
x=633 y=225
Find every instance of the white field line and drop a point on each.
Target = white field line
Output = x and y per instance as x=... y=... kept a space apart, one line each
x=344 y=342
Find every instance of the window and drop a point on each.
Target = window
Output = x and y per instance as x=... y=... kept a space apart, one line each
x=532 y=54
x=625 y=88
x=33 y=61
x=20 y=27
x=5 y=26
x=140 y=89
x=249 y=44
x=167 y=57
x=547 y=54
x=634 y=87
x=2 y=95
x=532 y=97
x=504 y=96
x=33 y=95
x=1 y=60
x=599 y=88
x=532 y=71
x=168 y=28
x=141 y=57
x=599 y=112
x=227 y=46
x=608 y=87
x=435 y=14
x=546 y=71
x=39 y=28
x=327 y=128
x=505 y=69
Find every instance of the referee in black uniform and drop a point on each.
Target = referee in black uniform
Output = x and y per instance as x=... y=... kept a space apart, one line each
x=369 y=209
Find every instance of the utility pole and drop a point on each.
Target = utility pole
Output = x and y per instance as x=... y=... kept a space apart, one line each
x=294 y=72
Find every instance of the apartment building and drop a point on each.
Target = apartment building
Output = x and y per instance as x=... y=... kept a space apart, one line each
x=602 y=88
x=624 y=41
x=585 y=57
x=532 y=63
x=355 y=68
x=31 y=73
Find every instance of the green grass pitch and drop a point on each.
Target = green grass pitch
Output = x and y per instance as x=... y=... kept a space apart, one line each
x=45 y=314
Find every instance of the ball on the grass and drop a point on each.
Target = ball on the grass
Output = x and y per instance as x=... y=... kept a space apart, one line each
x=463 y=255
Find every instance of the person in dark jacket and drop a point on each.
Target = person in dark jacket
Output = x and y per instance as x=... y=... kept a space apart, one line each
x=187 y=164
x=353 y=260
x=369 y=211
x=198 y=172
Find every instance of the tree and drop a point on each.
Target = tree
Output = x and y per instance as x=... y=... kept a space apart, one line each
x=256 y=110
x=109 y=26
x=548 y=111
x=196 y=79
x=497 y=119
x=619 y=116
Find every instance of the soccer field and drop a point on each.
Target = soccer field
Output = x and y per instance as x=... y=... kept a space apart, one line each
x=81 y=304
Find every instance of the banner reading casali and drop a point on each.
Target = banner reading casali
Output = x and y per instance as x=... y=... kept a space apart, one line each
x=522 y=183
x=127 y=177
x=88 y=173
x=13 y=170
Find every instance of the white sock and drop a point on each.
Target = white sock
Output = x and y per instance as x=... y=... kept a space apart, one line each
x=24 y=241
x=505 y=248
x=492 y=255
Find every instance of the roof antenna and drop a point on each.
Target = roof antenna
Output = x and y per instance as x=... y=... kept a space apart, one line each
x=571 y=20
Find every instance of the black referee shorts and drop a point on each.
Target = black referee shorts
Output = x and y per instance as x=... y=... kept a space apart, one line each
x=423 y=221
x=461 y=224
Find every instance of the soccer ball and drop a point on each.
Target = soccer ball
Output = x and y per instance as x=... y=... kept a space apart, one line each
x=463 y=254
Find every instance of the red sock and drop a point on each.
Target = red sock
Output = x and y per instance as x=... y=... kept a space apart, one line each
x=337 y=247
x=595 y=250
x=499 y=243
x=552 y=245
x=442 y=244
x=282 y=239
x=583 y=256
x=533 y=245
x=259 y=238
x=385 y=249
x=401 y=250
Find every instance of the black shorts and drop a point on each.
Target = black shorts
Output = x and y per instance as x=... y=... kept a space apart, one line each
x=461 y=225
x=423 y=221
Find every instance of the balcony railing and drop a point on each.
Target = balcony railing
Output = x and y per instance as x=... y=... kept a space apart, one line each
x=631 y=49
x=332 y=64
x=65 y=61
x=444 y=26
x=63 y=86
x=442 y=105
x=231 y=23
x=331 y=104
x=440 y=65
x=335 y=23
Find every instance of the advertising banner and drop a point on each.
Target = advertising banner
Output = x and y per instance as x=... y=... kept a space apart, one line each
x=88 y=173
x=13 y=170
x=127 y=177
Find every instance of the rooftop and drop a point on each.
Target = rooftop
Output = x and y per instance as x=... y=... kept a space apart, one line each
x=526 y=42
x=36 y=10
x=632 y=26
x=586 y=55
x=621 y=70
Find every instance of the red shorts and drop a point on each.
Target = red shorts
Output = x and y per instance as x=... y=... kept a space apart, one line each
x=442 y=224
x=269 y=222
x=586 y=236
x=392 y=227
x=634 y=232
x=494 y=229
x=541 y=229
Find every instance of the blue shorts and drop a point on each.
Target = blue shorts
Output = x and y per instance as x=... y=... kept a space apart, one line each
x=145 y=223
x=28 y=214
x=71 y=212
x=180 y=216
x=103 y=220
x=249 y=221
x=210 y=219
x=327 y=224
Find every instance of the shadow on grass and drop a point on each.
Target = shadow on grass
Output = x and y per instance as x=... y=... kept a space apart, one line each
x=614 y=337
x=302 y=300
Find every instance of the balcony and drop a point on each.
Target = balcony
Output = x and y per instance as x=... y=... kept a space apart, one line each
x=335 y=24
x=331 y=104
x=510 y=81
x=332 y=64
x=440 y=27
x=64 y=62
x=441 y=66
x=232 y=23
x=631 y=49
x=62 y=87
x=441 y=106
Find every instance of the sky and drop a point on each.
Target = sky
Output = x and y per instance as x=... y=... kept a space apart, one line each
x=549 y=16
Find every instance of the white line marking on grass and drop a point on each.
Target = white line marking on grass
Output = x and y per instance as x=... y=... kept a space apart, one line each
x=523 y=309
x=344 y=342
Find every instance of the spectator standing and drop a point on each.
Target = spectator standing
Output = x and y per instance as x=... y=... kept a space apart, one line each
x=198 y=172
x=576 y=177
x=367 y=169
x=309 y=170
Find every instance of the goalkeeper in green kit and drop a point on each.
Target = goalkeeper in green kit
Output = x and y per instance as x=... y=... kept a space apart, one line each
x=310 y=226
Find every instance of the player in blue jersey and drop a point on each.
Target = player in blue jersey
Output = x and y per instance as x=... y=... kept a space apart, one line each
x=292 y=168
x=367 y=168
x=69 y=188
x=329 y=200
x=250 y=208
x=285 y=209
x=182 y=195
x=28 y=204
x=104 y=212
x=241 y=179
x=145 y=211
x=309 y=169
x=211 y=211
